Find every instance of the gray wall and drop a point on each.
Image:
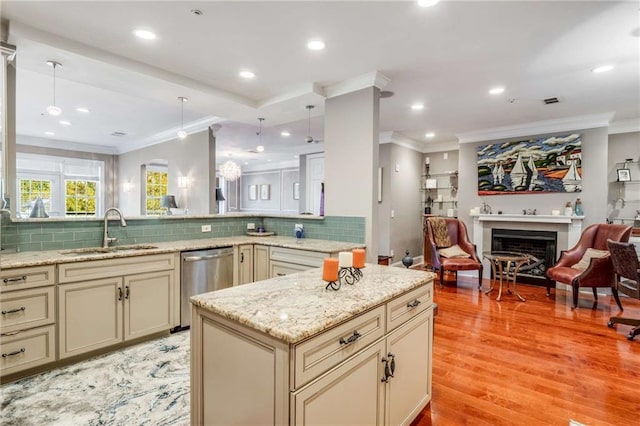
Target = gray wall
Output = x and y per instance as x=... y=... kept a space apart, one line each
x=280 y=191
x=595 y=184
x=188 y=157
x=621 y=147
x=384 y=207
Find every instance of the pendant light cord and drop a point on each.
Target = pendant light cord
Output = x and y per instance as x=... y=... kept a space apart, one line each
x=54 y=84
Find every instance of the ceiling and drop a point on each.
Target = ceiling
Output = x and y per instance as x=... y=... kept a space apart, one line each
x=446 y=57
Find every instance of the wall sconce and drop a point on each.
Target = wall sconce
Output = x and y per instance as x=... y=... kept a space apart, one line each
x=183 y=182
x=127 y=187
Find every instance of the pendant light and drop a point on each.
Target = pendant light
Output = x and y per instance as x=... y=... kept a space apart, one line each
x=230 y=170
x=309 y=138
x=260 y=147
x=182 y=134
x=53 y=109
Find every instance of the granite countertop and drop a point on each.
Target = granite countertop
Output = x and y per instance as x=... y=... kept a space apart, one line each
x=48 y=257
x=294 y=307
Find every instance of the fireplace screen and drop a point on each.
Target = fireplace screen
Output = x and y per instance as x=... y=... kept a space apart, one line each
x=541 y=245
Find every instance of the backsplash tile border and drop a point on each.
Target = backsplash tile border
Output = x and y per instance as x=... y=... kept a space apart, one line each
x=37 y=236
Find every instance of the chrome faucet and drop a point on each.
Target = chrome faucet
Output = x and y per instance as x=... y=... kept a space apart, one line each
x=106 y=239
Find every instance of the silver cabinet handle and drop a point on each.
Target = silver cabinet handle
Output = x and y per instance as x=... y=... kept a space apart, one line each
x=13 y=311
x=15 y=280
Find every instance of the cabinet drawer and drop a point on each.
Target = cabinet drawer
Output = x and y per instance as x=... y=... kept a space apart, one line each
x=407 y=306
x=27 y=349
x=21 y=278
x=320 y=353
x=278 y=269
x=95 y=269
x=26 y=309
x=313 y=259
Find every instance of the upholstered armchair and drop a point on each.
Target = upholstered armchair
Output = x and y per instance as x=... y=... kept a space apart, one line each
x=588 y=264
x=457 y=234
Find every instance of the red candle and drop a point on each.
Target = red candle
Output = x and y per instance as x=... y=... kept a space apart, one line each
x=358 y=258
x=330 y=269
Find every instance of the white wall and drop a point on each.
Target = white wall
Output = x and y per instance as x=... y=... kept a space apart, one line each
x=351 y=139
x=280 y=191
x=593 y=195
x=188 y=157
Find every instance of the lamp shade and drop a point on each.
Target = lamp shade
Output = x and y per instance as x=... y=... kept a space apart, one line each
x=38 y=209
x=169 y=201
x=219 y=196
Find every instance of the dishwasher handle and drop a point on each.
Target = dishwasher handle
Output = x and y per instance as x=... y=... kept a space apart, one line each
x=205 y=257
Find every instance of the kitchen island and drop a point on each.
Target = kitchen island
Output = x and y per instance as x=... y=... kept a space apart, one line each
x=288 y=351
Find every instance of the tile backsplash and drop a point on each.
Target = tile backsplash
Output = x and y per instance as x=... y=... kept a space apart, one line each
x=58 y=235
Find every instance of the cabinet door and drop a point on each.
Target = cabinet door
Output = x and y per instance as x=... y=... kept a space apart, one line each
x=352 y=394
x=409 y=390
x=245 y=264
x=279 y=269
x=90 y=315
x=260 y=263
x=148 y=303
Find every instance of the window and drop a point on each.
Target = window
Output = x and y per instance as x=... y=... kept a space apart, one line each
x=30 y=189
x=68 y=186
x=157 y=183
x=80 y=197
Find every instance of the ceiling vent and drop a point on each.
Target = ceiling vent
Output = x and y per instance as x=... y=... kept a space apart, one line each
x=118 y=134
x=551 y=101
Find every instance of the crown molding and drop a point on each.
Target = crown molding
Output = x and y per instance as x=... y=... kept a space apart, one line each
x=567 y=124
x=170 y=134
x=370 y=79
x=625 y=126
x=64 y=144
x=441 y=147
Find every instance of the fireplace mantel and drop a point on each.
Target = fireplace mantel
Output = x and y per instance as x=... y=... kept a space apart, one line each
x=569 y=228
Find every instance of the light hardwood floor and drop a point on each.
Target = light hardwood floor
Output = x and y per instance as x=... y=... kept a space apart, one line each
x=531 y=363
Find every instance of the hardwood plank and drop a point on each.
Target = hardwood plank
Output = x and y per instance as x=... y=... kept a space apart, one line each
x=533 y=362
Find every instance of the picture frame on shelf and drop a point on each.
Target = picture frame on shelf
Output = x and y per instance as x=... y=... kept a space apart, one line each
x=624 y=175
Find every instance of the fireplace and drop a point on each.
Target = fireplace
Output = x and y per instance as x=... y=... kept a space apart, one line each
x=542 y=245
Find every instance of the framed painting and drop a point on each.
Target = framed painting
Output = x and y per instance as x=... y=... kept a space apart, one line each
x=296 y=190
x=532 y=166
x=624 y=175
x=265 y=192
x=253 y=192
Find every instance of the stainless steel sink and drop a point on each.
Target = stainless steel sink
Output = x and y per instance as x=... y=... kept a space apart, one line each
x=100 y=250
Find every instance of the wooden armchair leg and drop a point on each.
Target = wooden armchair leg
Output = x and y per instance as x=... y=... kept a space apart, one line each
x=615 y=296
x=480 y=278
x=441 y=277
x=575 y=290
x=549 y=282
x=595 y=293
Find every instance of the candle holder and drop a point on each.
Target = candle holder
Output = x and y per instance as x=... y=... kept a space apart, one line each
x=357 y=273
x=333 y=285
x=347 y=275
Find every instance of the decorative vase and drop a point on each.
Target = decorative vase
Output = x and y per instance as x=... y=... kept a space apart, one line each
x=578 y=208
x=407 y=260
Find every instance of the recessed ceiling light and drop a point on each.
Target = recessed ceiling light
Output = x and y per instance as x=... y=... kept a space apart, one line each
x=315 y=45
x=603 y=68
x=247 y=74
x=496 y=90
x=269 y=160
x=260 y=148
x=82 y=110
x=430 y=135
x=246 y=163
x=65 y=122
x=144 y=34
x=49 y=133
x=417 y=107
x=427 y=3
x=285 y=133
x=296 y=156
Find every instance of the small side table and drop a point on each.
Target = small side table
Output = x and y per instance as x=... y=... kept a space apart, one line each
x=505 y=266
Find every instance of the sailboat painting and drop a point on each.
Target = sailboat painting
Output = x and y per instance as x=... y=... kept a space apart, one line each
x=543 y=165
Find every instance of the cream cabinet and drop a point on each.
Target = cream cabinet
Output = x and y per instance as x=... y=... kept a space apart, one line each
x=366 y=370
x=285 y=261
x=244 y=264
x=28 y=317
x=117 y=306
x=260 y=262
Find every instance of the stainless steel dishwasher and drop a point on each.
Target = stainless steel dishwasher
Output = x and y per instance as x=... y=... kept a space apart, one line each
x=203 y=271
